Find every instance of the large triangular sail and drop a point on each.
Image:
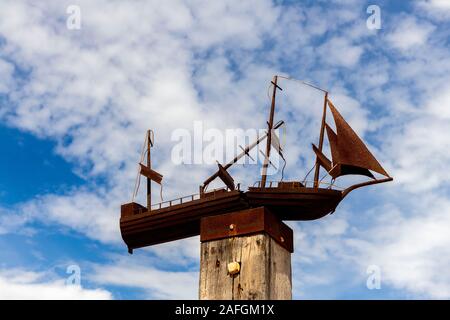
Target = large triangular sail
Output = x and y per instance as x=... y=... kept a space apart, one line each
x=339 y=168
x=348 y=152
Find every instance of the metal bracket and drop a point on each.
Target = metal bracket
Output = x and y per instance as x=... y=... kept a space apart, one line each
x=247 y=222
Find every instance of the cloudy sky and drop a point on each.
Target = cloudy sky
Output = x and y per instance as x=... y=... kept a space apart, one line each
x=75 y=105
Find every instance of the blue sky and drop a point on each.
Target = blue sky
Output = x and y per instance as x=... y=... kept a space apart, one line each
x=75 y=105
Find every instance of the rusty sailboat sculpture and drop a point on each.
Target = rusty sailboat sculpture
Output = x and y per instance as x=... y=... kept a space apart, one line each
x=288 y=200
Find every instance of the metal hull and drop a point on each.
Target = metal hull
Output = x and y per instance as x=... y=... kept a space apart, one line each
x=174 y=222
x=140 y=227
x=295 y=204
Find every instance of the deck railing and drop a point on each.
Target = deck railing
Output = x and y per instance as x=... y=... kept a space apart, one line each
x=172 y=202
x=181 y=200
x=269 y=184
x=305 y=183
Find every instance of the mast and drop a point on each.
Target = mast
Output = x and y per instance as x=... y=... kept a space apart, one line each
x=269 y=134
x=322 y=130
x=229 y=164
x=149 y=165
x=239 y=156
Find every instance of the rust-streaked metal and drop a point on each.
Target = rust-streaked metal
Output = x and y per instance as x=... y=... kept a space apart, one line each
x=321 y=158
x=339 y=169
x=289 y=200
x=150 y=174
x=351 y=150
x=145 y=228
x=332 y=140
x=226 y=177
x=264 y=204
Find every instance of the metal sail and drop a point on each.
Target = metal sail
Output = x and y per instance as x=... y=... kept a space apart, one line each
x=150 y=173
x=321 y=158
x=349 y=154
x=332 y=139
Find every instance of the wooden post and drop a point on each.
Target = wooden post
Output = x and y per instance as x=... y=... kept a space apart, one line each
x=259 y=243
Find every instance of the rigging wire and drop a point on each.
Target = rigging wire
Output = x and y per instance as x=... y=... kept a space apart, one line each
x=161 y=192
x=317 y=88
x=282 y=170
x=310 y=170
x=325 y=175
x=138 y=177
x=303 y=82
x=332 y=182
x=307 y=84
x=138 y=183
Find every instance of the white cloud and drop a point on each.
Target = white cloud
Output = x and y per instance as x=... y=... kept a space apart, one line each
x=219 y=23
x=436 y=9
x=409 y=33
x=16 y=284
x=340 y=52
x=421 y=154
x=412 y=250
x=409 y=243
x=96 y=101
x=82 y=91
x=438 y=4
x=181 y=253
x=14 y=222
x=439 y=106
x=146 y=275
x=6 y=82
x=82 y=211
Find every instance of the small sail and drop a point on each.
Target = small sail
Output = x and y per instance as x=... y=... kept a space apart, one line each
x=275 y=142
x=322 y=159
x=151 y=174
x=349 y=154
x=225 y=177
x=332 y=139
